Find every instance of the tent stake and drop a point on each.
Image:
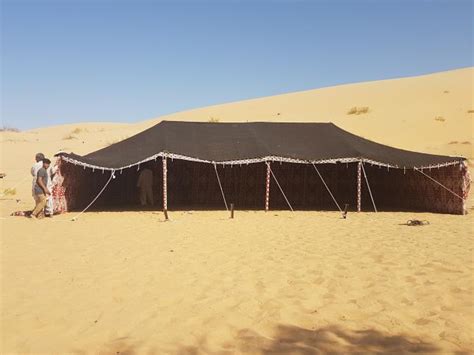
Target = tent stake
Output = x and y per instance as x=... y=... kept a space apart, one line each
x=267 y=189
x=232 y=211
x=359 y=186
x=165 y=188
x=344 y=214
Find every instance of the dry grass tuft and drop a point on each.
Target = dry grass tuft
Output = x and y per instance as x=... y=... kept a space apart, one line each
x=439 y=119
x=446 y=92
x=358 y=110
x=9 y=192
x=470 y=111
x=77 y=130
x=69 y=137
x=73 y=133
x=9 y=129
x=457 y=142
x=213 y=120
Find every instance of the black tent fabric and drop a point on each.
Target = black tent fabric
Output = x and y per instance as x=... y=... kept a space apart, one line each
x=234 y=143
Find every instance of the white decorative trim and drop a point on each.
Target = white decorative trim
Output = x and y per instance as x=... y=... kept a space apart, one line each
x=270 y=158
x=267 y=188
x=165 y=183
x=359 y=186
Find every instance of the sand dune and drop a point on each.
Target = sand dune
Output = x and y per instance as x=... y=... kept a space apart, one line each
x=422 y=113
x=125 y=282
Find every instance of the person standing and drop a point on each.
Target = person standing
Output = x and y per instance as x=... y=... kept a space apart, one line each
x=41 y=191
x=34 y=170
x=145 y=187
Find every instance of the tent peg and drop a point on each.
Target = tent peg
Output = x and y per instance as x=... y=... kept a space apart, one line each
x=344 y=213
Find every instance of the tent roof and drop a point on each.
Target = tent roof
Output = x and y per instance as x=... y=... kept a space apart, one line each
x=235 y=143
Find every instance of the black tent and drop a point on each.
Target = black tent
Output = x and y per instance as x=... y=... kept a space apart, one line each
x=314 y=166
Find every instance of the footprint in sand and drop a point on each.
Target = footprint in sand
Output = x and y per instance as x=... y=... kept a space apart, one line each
x=410 y=279
x=260 y=287
x=318 y=281
x=422 y=321
x=407 y=301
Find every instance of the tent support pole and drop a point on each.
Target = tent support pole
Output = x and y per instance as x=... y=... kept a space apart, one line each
x=368 y=188
x=359 y=186
x=281 y=190
x=267 y=189
x=165 y=188
x=330 y=193
x=220 y=187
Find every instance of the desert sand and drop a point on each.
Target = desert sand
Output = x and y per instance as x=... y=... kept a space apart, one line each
x=277 y=282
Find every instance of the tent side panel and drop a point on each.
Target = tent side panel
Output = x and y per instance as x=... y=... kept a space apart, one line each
x=399 y=190
x=194 y=186
x=82 y=185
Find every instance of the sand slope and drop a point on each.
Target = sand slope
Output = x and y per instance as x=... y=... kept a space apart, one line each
x=427 y=113
x=126 y=282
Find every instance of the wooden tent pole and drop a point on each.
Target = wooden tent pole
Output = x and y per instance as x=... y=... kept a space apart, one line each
x=359 y=186
x=165 y=188
x=267 y=189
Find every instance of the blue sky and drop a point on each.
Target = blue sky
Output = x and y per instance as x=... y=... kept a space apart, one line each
x=125 y=61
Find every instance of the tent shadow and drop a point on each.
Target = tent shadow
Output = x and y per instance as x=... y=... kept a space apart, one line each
x=325 y=340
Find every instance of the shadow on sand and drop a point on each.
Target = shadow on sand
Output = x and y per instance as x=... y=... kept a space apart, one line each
x=327 y=340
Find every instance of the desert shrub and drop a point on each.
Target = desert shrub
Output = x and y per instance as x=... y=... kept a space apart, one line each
x=440 y=119
x=213 y=120
x=9 y=129
x=9 y=192
x=358 y=110
x=76 y=130
x=352 y=111
x=466 y=142
x=69 y=137
x=470 y=111
x=453 y=142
